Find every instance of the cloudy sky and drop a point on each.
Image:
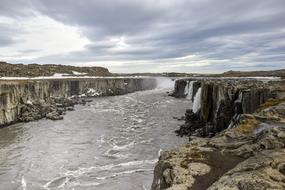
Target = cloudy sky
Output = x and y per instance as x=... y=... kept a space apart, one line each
x=145 y=35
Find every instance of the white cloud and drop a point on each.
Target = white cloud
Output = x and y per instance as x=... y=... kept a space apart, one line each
x=41 y=36
x=145 y=35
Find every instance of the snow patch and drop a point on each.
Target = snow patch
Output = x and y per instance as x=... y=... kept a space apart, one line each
x=78 y=73
x=56 y=75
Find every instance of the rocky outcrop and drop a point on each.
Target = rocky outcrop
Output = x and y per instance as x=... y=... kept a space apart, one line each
x=223 y=101
x=243 y=125
x=26 y=100
x=249 y=162
x=250 y=156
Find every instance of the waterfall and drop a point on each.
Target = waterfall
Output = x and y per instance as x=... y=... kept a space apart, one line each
x=190 y=90
x=197 y=101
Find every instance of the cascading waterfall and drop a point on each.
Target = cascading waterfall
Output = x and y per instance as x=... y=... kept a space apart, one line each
x=197 y=101
x=236 y=118
x=190 y=90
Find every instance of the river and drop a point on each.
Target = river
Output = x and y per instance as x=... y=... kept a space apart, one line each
x=112 y=143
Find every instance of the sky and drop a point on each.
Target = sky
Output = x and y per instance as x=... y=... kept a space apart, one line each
x=126 y=36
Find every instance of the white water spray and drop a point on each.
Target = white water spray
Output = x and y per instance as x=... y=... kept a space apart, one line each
x=197 y=101
x=164 y=83
x=190 y=90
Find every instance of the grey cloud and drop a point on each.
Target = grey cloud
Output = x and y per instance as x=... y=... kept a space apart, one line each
x=7 y=35
x=165 y=30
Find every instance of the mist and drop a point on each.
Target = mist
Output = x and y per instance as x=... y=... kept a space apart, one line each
x=165 y=83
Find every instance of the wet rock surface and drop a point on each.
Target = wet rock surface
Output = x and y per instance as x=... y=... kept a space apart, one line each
x=53 y=108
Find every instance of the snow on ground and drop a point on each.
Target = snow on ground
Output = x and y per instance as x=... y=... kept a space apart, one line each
x=78 y=73
x=60 y=74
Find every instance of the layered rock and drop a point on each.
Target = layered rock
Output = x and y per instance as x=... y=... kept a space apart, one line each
x=223 y=101
x=25 y=100
x=250 y=156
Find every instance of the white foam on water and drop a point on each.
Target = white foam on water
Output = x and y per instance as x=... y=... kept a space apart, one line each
x=81 y=171
x=77 y=184
x=116 y=147
x=123 y=173
x=147 y=141
x=58 y=182
x=116 y=155
x=24 y=183
x=190 y=90
x=197 y=101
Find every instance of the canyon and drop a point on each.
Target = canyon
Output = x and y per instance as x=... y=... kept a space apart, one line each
x=33 y=99
x=232 y=133
x=111 y=142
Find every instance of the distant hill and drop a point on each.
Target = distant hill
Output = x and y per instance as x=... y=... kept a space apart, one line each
x=35 y=70
x=273 y=73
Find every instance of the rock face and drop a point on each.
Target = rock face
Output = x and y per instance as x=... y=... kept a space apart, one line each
x=229 y=161
x=223 y=101
x=249 y=154
x=27 y=100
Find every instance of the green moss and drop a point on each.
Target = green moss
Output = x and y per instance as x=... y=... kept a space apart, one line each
x=269 y=103
x=193 y=155
x=185 y=163
x=247 y=125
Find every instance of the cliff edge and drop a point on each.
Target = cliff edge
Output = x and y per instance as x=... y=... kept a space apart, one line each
x=33 y=99
x=237 y=138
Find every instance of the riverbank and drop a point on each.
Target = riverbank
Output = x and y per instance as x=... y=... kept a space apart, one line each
x=32 y=99
x=110 y=143
x=242 y=123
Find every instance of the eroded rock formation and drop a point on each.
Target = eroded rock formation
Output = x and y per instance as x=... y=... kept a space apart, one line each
x=250 y=156
x=223 y=101
x=243 y=125
x=27 y=100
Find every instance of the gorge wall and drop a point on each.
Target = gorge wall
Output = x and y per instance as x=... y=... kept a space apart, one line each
x=242 y=122
x=222 y=101
x=19 y=96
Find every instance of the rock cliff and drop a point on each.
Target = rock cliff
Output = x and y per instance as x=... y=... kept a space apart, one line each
x=242 y=123
x=26 y=100
x=222 y=101
x=250 y=156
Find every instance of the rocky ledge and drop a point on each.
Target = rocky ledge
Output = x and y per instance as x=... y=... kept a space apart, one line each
x=33 y=99
x=250 y=156
x=236 y=130
x=219 y=103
